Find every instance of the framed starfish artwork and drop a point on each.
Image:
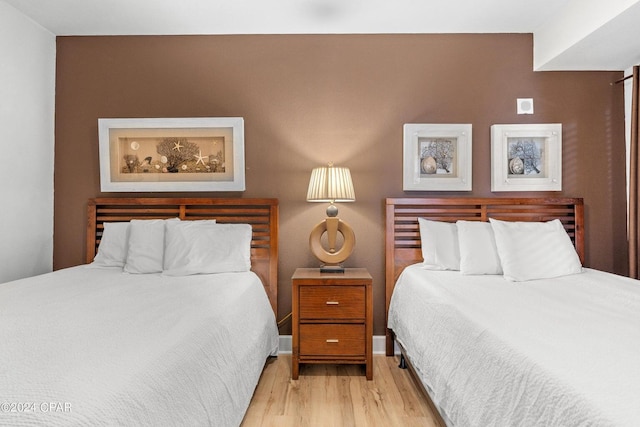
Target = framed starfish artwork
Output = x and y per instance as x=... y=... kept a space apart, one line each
x=171 y=154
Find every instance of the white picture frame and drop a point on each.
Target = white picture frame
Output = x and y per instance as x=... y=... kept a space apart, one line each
x=526 y=157
x=437 y=157
x=171 y=154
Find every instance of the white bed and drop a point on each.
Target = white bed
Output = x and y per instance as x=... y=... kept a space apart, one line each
x=111 y=348
x=499 y=321
x=170 y=324
x=555 y=352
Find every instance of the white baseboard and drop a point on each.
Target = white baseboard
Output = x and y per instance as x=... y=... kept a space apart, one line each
x=378 y=344
x=285 y=344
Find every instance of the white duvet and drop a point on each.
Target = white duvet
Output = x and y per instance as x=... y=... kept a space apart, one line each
x=559 y=352
x=85 y=346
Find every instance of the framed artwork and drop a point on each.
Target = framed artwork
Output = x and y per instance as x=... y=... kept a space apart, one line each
x=172 y=154
x=437 y=157
x=526 y=157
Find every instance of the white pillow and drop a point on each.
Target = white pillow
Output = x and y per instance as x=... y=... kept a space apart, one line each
x=145 y=252
x=439 y=241
x=194 y=247
x=535 y=250
x=478 y=251
x=112 y=251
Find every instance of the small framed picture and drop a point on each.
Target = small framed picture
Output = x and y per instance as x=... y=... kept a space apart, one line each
x=526 y=157
x=172 y=154
x=437 y=157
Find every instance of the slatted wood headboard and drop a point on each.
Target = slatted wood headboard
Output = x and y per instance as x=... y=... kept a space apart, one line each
x=261 y=214
x=402 y=234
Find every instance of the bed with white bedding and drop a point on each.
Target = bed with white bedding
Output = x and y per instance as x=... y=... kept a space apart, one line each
x=552 y=352
x=511 y=347
x=114 y=348
x=97 y=345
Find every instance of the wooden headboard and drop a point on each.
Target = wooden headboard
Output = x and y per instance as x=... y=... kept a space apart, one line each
x=402 y=234
x=261 y=214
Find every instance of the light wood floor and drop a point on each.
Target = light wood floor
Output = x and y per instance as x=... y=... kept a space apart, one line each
x=337 y=395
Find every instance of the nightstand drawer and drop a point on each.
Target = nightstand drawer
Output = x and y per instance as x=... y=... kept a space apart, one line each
x=332 y=340
x=332 y=302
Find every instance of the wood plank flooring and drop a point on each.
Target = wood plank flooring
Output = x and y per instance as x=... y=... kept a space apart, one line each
x=337 y=395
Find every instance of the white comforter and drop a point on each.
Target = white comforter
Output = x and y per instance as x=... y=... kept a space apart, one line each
x=85 y=346
x=561 y=352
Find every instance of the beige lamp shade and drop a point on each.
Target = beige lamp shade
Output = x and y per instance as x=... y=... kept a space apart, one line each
x=331 y=184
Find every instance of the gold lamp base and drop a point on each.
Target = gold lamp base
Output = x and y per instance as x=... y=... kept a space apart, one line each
x=332 y=259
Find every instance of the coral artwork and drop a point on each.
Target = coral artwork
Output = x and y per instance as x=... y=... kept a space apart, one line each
x=173 y=155
x=525 y=156
x=437 y=155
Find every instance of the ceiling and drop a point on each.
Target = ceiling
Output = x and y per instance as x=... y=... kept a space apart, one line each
x=568 y=34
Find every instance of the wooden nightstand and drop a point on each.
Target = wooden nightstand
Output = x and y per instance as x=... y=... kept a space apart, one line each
x=332 y=318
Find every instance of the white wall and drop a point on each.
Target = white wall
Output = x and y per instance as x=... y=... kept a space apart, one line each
x=589 y=35
x=27 y=99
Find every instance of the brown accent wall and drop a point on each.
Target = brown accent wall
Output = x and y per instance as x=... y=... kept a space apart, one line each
x=310 y=99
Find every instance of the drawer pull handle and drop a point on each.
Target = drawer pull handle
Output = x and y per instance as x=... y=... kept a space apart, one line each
x=333 y=341
x=333 y=303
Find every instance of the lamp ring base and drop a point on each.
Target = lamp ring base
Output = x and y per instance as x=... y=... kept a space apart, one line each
x=336 y=256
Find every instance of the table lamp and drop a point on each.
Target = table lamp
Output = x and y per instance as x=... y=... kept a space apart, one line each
x=331 y=184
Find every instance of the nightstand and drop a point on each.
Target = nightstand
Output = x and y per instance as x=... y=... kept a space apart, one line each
x=332 y=318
